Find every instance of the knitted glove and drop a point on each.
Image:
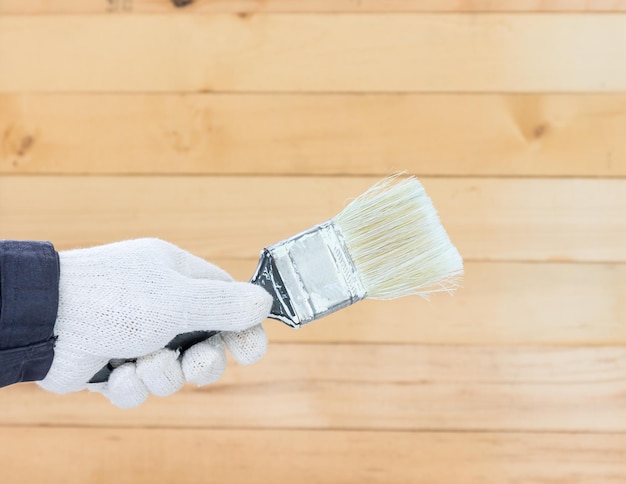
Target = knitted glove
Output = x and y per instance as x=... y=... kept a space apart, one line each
x=129 y=299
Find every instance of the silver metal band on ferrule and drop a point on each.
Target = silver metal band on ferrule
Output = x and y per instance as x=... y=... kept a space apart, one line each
x=313 y=275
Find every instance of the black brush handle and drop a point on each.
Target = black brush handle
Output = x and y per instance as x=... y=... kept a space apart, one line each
x=182 y=343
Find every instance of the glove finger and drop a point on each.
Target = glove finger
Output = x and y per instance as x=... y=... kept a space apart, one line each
x=205 y=362
x=125 y=389
x=71 y=372
x=160 y=372
x=224 y=306
x=247 y=346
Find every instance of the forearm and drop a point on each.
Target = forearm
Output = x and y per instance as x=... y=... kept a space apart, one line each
x=29 y=294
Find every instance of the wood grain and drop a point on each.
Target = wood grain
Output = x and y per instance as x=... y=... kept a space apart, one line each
x=231 y=124
x=308 y=6
x=234 y=217
x=520 y=135
x=145 y=456
x=313 y=53
x=376 y=387
x=500 y=303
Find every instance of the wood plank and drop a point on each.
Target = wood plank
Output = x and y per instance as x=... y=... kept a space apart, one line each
x=500 y=303
x=383 y=387
x=314 y=53
x=306 y=6
x=538 y=135
x=234 y=217
x=69 y=455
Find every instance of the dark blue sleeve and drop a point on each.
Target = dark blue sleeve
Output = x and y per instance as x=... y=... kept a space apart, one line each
x=29 y=298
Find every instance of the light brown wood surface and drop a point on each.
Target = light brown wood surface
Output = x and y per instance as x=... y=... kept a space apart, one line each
x=97 y=455
x=227 y=125
x=374 y=387
x=500 y=303
x=313 y=53
x=494 y=135
x=556 y=220
x=302 y=456
x=307 y=6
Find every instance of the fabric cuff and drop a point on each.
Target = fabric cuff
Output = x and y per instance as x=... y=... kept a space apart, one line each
x=29 y=298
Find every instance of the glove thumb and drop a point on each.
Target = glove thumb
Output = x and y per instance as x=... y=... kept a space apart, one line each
x=225 y=306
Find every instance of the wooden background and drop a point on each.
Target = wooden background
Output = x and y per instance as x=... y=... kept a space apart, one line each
x=230 y=124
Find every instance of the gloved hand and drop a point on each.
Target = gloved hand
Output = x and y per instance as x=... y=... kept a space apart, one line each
x=129 y=299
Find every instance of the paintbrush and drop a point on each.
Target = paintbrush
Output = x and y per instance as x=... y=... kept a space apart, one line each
x=387 y=243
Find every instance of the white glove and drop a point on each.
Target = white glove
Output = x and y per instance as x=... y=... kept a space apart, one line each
x=129 y=299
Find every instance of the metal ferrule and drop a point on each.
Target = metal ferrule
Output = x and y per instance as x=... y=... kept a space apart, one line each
x=309 y=275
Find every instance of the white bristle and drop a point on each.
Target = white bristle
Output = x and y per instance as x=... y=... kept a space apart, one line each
x=397 y=242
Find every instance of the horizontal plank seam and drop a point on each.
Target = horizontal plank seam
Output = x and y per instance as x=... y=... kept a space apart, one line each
x=433 y=430
x=321 y=13
x=251 y=13
x=202 y=93
x=319 y=92
x=303 y=175
x=372 y=176
x=613 y=344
